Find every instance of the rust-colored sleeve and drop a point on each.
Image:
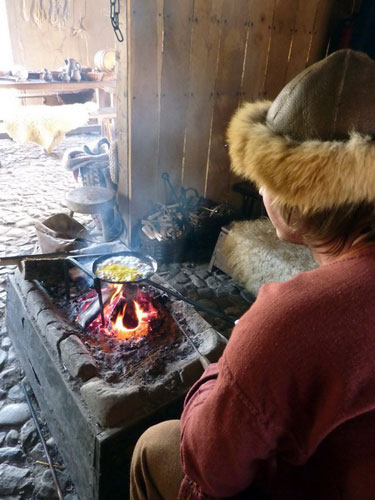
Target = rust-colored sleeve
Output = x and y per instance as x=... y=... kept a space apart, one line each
x=236 y=415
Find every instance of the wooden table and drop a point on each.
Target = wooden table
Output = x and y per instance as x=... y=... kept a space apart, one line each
x=52 y=88
x=39 y=88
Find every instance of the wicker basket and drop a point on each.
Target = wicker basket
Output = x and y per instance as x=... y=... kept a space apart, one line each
x=95 y=76
x=206 y=226
x=166 y=251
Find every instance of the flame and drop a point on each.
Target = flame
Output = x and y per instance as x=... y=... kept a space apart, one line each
x=118 y=289
x=122 y=331
x=135 y=311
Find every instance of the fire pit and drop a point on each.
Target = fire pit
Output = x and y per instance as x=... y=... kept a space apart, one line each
x=99 y=385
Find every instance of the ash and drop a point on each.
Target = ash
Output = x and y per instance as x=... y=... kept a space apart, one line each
x=134 y=361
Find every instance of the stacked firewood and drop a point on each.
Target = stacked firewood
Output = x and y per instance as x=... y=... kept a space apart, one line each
x=174 y=221
x=167 y=222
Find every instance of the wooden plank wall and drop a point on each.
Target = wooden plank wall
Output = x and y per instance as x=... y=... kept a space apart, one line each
x=184 y=70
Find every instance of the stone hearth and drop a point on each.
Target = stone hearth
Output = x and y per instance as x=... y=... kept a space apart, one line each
x=88 y=417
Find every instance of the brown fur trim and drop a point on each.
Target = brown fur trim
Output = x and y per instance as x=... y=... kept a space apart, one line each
x=311 y=175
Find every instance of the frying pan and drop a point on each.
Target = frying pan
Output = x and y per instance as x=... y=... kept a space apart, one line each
x=145 y=278
x=144 y=260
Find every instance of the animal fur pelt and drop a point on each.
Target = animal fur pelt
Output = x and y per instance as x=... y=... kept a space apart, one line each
x=46 y=125
x=255 y=255
x=308 y=175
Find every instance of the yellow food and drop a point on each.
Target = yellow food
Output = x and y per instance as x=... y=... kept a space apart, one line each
x=118 y=272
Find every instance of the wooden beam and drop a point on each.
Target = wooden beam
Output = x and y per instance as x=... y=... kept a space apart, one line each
x=175 y=82
x=207 y=22
x=227 y=94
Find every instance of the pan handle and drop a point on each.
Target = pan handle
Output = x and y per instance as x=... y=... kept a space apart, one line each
x=191 y=302
x=83 y=268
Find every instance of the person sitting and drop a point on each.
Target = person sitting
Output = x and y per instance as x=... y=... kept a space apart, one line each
x=288 y=412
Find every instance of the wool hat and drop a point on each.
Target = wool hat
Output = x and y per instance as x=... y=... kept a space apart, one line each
x=313 y=147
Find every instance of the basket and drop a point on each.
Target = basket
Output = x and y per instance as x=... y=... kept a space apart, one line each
x=95 y=76
x=206 y=223
x=60 y=233
x=166 y=251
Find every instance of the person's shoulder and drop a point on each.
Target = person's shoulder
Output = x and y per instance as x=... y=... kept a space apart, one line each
x=280 y=296
x=284 y=312
x=293 y=286
x=321 y=284
x=304 y=311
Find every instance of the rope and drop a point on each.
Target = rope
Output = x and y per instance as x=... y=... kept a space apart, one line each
x=54 y=12
x=81 y=32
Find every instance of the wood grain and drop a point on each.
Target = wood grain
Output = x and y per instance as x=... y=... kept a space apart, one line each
x=206 y=32
x=175 y=79
x=283 y=27
x=227 y=95
x=143 y=87
x=188 y=66
x=302 y=37
x=320 y=33
x=260 y=16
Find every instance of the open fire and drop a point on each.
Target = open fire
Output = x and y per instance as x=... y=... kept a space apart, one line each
x=129 y=314
x=135 y=339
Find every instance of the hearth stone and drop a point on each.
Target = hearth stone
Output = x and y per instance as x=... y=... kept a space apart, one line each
x=95 y=424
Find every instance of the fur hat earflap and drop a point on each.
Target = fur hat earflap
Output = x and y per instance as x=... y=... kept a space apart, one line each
x=312 y=150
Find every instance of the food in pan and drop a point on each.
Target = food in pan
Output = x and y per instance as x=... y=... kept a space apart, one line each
x=123 y=268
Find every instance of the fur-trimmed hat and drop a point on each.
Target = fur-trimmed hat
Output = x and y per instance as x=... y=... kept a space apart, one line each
x=314 y=146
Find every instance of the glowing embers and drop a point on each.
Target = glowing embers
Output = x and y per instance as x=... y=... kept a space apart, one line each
x=128 y=314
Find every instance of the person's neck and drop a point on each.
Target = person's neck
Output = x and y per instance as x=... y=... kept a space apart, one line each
x=323 y=256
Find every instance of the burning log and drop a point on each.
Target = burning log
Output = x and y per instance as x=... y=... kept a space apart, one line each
x=92 y=311
x=126 y=313
x=130 y=291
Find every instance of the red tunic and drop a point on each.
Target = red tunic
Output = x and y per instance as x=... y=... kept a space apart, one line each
x=290 y=407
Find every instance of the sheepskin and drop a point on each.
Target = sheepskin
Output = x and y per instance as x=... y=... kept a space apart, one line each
x=312 y=175
x=46 y=125
x=255 y=255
